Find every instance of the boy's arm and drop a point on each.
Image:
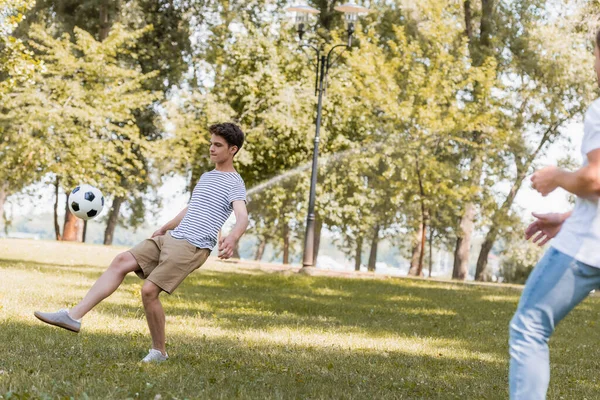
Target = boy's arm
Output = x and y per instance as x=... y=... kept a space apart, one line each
x=584 y=182
x=172 y=224
x=227 y=244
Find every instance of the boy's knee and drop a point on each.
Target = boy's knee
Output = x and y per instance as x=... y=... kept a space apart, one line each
x=124 y=263
x=150 y=291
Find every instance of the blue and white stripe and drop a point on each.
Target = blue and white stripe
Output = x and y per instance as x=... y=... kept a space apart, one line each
x=209 y=208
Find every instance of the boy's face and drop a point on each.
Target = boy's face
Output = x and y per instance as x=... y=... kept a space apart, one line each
x=597 y=63
x=220 y=151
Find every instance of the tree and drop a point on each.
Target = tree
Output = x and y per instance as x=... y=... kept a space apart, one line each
x=519 y=257
x=188 y=114
x=162 y=49
x=17 y=64
x=81 y=107
x=550 y=84
x=408 y=87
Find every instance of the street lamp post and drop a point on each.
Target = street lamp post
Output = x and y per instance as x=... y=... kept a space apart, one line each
x=324 y=62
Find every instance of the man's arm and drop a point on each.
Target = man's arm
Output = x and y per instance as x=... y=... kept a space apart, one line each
x=172 y=224
x=584 y=182
x=227 y=244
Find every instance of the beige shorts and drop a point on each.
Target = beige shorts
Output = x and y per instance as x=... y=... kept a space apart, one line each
x=166 y=261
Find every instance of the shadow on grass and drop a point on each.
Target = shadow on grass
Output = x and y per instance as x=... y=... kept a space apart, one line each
x=373 y=308
x=44 y=361
x=36 y=357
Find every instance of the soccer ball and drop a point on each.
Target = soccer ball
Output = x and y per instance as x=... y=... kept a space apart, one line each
x=86 y=202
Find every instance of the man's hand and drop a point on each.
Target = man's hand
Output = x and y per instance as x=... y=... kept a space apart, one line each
x=159 y=232
x=544 y=180
x=226 y=247
x=544 y=228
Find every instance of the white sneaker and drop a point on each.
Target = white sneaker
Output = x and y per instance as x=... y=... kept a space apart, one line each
x=60 y=318
x=155 y=356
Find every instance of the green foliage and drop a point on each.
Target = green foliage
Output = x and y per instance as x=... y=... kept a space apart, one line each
x=518 y=257
x=161 y=49
x=430 y=120
x=77 y=119
x=408 y=106
x=419 y=119
x=187 y=116
x=17 y=63
x=160 y=53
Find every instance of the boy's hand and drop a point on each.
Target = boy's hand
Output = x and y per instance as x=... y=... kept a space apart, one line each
x=159 y=232
x=226 y=247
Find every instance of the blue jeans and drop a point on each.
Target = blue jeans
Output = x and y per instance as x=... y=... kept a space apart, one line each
x=556 y=285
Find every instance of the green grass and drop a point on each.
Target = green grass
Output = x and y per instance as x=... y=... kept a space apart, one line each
x=243 y=333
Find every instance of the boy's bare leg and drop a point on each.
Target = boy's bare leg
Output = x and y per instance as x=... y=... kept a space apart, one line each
x=108 y=282
x=155 y=315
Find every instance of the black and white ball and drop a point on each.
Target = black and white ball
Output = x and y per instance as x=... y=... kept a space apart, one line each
x=86 y=202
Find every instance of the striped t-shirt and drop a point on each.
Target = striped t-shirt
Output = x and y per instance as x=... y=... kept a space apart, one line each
x=209 y=208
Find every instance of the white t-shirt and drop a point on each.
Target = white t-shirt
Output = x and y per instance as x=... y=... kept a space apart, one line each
x=579 y=236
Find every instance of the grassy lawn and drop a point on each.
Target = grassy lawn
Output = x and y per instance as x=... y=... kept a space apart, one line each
x=243 y=333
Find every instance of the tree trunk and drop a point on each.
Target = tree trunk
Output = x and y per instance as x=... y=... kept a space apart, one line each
x=113 y=218
x=358 y=254
x=502 y=212
x=486 y=247
x=3 y=196
x=468 y=19
x=317 y=242
x=463 y=244
x=416 y=268
x=430 y=251
x=482 y=48
x=286 y=243
x=260 y=250
x=423 y=241
x=455 y=268
x=416 y=265
x=56 y=225
x=73 y=227
x=416 y=251
x=373 y=255
x=104 y=22
x=466 y=227
x=479 y=51
x=486 y=26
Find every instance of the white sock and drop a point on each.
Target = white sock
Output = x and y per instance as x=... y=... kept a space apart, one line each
x=69 y=314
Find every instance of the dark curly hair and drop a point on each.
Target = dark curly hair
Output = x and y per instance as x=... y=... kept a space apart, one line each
x=232 y=134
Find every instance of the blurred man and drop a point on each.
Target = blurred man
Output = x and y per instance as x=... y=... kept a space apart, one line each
x=568 y=271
